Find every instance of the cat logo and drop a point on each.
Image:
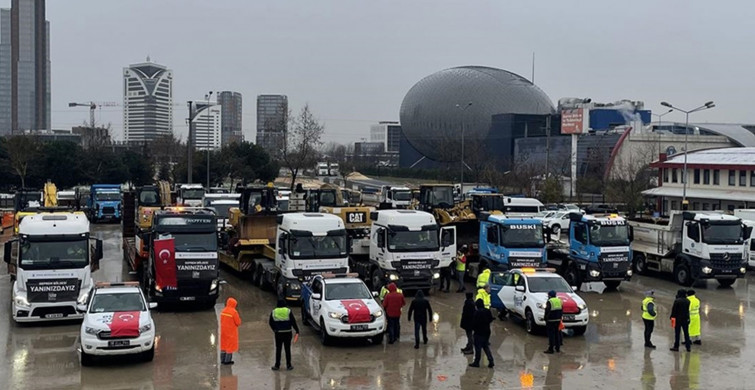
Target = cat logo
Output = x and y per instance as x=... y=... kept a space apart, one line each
x=356 y=217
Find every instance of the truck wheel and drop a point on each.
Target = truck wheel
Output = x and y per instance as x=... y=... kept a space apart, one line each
x=376 y=279
x=86 y=359
x=325 y=338
x=261 y=280
x=682 y=275
x=256 y=276
x=529 y=322
x=579 y=330
x=572 y=276
x=640 y=264
x=378 y=339
x=304 y=316
x=726 y=282
x=612 y=284
x=280 y=288
x=556 y=229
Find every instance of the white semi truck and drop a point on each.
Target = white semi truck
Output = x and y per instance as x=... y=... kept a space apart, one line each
x=691 y=245
x=51 y=264
x=406 y=247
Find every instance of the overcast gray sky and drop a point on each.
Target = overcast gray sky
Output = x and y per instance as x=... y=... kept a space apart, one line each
x=353 y=61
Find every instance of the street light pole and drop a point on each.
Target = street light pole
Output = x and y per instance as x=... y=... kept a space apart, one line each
x=208 y=142
x=659 y=128
x=190 y=142
x=685 y=202
x=463 y=109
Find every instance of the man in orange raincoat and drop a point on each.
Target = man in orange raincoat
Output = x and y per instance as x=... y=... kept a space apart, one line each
x=229 y=331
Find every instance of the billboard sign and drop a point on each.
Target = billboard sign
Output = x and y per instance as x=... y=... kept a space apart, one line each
x=574 y=121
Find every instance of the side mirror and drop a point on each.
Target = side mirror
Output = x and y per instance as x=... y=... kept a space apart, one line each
x=574 y=288
x=519 y=288
x=7 y=250
x=375 y=294
x=631 y=234
x=98 y=250
x=316 y=296
x=81 y=308
x=152 y=305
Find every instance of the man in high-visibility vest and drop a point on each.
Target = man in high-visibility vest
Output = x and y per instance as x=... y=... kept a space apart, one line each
x=461 y=268
x=384 y=291
x=484 y=277
x=483 y=293
x=648 y=316
x=281 y=322
x=553 y=314
x=694 y=317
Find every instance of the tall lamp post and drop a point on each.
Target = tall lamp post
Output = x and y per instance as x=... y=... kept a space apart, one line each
x=463 y=108
x=208 y=140
x=685 y=202
x=659 y=127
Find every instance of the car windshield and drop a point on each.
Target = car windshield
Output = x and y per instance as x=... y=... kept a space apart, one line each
x=108 y=196
x=336 y=291
x=608 y=235
x=717 y=233
x=194 y=242
x=317 y=247
x=402 y=195
x=543 y=285
x=109 y=303
x=522 y=236
x=406 y=241
x=54 y=254
x=222 y=210
x=192 y=193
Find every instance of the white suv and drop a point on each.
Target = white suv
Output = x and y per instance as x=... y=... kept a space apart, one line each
x=117 y=321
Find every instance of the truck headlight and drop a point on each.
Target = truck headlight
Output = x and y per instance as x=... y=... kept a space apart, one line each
x=594 y=273
x=91 y=330
x=21 y=300
x=393 y=277
x=145 y=328
x=629 y=272
x=378 y=314
x=742 y=270
x=436 y=275
x=213 y=285
x=707 y=270
x=334 y=315
x=293 y=285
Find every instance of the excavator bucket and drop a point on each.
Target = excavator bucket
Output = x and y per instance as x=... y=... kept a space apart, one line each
x=257 y=229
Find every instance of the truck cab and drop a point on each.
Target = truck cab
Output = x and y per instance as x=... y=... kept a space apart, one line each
x=191 y=195
x=104 y=202
x=51 y=262
x=599 y=248
x=395 y=197
x=407 y=247
x=507 y=243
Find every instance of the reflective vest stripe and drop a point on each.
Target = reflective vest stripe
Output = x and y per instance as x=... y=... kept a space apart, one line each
x=645 y=313
x=460 y=266
x=694 y=306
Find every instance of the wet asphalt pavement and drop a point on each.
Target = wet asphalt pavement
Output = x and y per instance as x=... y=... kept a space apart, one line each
x=609 y=355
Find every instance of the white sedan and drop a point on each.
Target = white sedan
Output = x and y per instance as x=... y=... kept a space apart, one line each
x=525 y=293
x=557 y=221
x=117 y=321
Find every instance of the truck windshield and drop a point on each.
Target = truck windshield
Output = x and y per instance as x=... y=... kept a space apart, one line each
x=717 y=233
x=337 y=291
x=110 y=303
x=197 y=193
x=54 y=254
x=402 y=196
x=522 y=236
x=488 y=203
x=328 y=198
x=609 y=235
x=317 y=247
x=195 y=242
x=107 y=196
x=406 y=241
x=222 y=210
x=543 y=285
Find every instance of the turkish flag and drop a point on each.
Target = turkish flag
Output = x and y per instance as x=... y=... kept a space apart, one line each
x=125 y=324
x=357 y=310
x=165 y=263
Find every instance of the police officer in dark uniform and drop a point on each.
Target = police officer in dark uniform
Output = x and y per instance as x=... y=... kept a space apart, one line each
x=281 y=322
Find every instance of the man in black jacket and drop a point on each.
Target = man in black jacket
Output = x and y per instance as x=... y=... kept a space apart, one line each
x=422 y=311
x=481 y=326
x=553 y=315
x=281 y=322
x=467 y=315
x=680 y=316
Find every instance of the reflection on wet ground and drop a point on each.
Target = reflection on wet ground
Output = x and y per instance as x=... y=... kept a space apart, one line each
x=610 y=354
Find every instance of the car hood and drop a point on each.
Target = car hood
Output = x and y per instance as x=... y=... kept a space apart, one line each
x=338 y=306
x=571 y=301
x=103 y=320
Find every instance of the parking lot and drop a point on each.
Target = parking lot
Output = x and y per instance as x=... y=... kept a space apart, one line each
x=611 y=353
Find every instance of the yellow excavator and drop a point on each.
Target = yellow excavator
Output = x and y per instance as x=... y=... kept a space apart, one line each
x=28 y=202
x=438 y=199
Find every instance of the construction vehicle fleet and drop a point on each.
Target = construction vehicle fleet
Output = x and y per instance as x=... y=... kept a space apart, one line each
x=691 y=245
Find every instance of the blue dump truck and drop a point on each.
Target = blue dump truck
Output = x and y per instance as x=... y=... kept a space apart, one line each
x=597 y=251
x=104 y=202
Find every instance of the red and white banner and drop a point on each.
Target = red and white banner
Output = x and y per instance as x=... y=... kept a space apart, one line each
x=357 y=310
x=165 y=263
x=125 y=324
x=568 y=305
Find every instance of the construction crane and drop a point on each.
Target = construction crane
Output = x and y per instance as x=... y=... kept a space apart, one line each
x=92 y=106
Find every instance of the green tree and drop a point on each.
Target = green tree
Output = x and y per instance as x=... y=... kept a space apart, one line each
x=23 y=151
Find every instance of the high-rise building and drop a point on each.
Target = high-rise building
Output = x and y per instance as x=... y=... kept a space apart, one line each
x=24 y=67
x=230 y=103
x=207 y=126
x=147 y=102
x=389 y=133
x=272 y=118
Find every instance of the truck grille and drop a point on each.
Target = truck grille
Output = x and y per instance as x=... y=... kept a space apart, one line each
x=345 y=320
x=726 y=260
x=614 y=268
x=108 y=210
x=44 y=311
x=107 y=336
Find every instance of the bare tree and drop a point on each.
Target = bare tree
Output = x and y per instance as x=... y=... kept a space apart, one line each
x=22 y=151
x=302 y=142
x=630 y=174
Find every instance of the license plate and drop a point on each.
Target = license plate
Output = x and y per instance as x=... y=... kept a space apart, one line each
x=54 y=315
x=187 y=298
x=568 y=317
x=358 y=327
x=118 y=343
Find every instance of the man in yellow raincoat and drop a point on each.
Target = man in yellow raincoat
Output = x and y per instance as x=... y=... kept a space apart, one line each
x=694 y=317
